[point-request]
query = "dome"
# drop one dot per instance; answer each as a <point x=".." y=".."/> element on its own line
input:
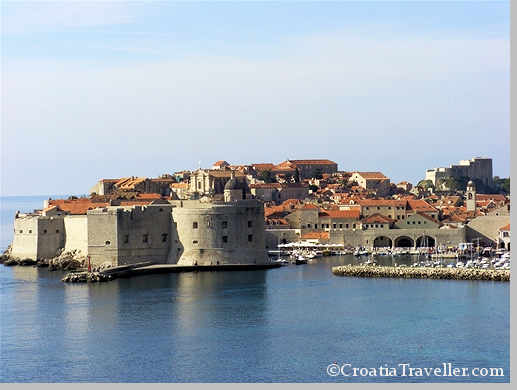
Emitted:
<point x="234" y="184"/>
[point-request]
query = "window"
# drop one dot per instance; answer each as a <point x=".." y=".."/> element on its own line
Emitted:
<point x="389" y="207"/>
<point x="126" y="238"/>
<point x="225" y="238"/>
<point x="419" y="222"/>
<point x="199" y="185"/>
<point x="21" y="231"/>
<point x="346" y="225"/>
<point x="367" y="208"/>
<point x="45" y="231"/>
<point x="250" y="237"/>
<point x="403" y="217"/>
<point x="315" y="226"/>
<point x="398" y="216"/>
<point x="381" y="226"/>
<point x="341" y="226"/>
<point x="328" y="226"/>
<point x="30" y="231"/>
<point x="224" y="224"/>
<point x="161" y="209"/>
<point x="408" y="222"/>
<point x="57" y="231"/>
<point x="353" y="226"/>
<point x="145" y="238"/>
<point x="425" y="222"/>
<point x="376" y="226"/>
<point x="309" y="225"/>
<point x="164" y="237"/>
<point x="378" y="208"/>
<point x="250" y="224"/>
<point x="194" y="225"/>
<point x="108" y="243"/>
<point x="194" y="242"/>
<point x="334" y="225"/>
<point x="413" y="222"/>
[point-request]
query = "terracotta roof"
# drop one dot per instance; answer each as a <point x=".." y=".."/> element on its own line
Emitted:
<point x="505" y="228"/>
<point x="341" y="214"/>
<point x="371" y="175"/>
<point x="377" y="218"/>
<point x="220" y="162"/>
<point x="420" y="205"/>
<point x="129" y="182"/>
<point x="77" y="206"/>
<point x="313" y="162"/>
<point x="263" y="166"/>
<point x="149" y="196"/>
<point x="494" y="197"/>
<point x="316" y="235"/>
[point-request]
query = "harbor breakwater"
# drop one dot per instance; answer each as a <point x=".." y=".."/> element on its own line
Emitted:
<point x="373" y="271"/>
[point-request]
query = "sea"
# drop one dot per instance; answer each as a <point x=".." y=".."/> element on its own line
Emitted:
<point x="298" y="323"/>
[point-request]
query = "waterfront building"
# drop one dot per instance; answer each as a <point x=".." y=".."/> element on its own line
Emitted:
<point x="190" y="232"/>
<point x="504" y="237"/>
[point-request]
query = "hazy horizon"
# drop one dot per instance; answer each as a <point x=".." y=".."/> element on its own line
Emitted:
<point x="113" y="89"/>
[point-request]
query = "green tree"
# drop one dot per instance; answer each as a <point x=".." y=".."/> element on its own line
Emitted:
<point x="267" y="176"/>
<point x="425" y="184"/>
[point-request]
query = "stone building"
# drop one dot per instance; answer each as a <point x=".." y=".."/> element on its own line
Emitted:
<point x="211" y="181"/>
<point x="186" y="232"/>
<point x="372" y="181"/>
<point x="478" y="168"/>
<point x="504" y="237"/>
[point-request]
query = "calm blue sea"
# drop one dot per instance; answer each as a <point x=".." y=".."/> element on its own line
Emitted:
<point x="282" y="325"/>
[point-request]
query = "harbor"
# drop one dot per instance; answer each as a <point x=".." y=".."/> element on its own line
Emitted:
<point x="465" y="256"/>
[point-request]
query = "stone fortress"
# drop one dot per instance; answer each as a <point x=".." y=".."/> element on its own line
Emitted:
<point x="478" y="168"/>
<point x="182" y="232"/>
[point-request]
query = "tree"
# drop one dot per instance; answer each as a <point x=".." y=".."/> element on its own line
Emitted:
<point x="425" y="184"/>
<point x="267" y="176"/>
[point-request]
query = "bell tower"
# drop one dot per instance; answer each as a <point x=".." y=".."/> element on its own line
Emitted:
<point x="471" y="196"/>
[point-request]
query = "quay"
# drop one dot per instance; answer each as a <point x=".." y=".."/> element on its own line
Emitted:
<point x="147" y="268"/>
<point x="372" y="271"/>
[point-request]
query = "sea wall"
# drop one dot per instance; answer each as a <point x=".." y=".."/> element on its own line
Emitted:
<point x="369" y="271"/>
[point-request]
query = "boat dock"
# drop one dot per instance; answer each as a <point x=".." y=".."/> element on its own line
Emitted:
<point x="147" y="268"/>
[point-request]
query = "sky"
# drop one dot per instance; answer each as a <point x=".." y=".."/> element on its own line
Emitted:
<point x="94" y="90"/>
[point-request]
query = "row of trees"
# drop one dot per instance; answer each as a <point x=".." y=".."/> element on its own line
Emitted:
<point x="500" y="186"/>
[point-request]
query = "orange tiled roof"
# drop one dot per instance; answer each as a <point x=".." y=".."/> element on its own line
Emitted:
<point x="377" y="218"/>
<point x="505" y="228"/>
<point x="313" y="162"/>
<point x="371" y="175"/>
<point x="341" y="214"/>
<point x="220" y="162"/>
<point x="316" y="235"/>
<point x="420" y="205"/>
<point x="76" y="206"/>
<point x="263" y="166"/>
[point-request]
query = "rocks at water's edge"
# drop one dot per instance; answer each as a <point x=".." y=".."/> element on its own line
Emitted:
<point x="86" y="277"/>
<point x="371" y="271"/>
<point x="63" y="261"/>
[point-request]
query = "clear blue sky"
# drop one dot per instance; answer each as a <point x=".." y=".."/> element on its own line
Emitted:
<point x="109" y="89"/>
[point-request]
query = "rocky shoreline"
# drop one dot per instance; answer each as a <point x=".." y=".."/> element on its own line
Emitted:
<point x="73" y="261"/>
<point x="373" y="271"/>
